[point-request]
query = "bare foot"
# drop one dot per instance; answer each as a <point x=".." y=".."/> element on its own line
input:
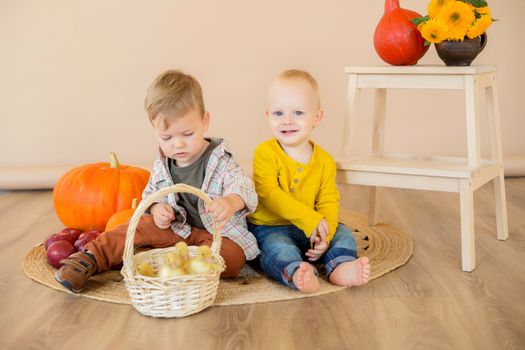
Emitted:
<point x="351" y="273"/>
<point x="304" y="278"/>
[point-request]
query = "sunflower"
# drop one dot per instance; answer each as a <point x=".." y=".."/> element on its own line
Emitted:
<point x="435" y="6"/>
<point x="458" y="18"/>
<point x="479" y="26"/>
<point x="483" y="10"/>
<point x="434" y="31"/>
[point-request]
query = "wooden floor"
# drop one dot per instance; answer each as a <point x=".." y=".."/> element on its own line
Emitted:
<point x="426" y="304"/>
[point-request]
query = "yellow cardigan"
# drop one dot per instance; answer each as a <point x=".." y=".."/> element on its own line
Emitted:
<point x="294" y="193"/>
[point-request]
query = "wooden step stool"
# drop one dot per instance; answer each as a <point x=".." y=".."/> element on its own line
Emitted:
<point x="463" y="175"/>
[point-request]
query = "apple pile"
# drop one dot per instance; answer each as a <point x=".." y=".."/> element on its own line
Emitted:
<point x="64" y="243"/>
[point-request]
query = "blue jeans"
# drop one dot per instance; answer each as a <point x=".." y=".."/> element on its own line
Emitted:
<point x="284" y="247"/>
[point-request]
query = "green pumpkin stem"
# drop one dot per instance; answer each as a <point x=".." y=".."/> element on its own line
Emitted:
<point x="113" y="161"/>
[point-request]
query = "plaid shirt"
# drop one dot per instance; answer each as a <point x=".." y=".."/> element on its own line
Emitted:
<point x="223" y="176"/>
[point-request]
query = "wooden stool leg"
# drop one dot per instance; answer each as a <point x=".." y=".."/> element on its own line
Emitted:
<point x="501" y="207"/>
<point x="500" y="202"/>
<point x="468" y="254"/>
<point x="472" y="115"/>
<point x="372" y="206"/>
<point x="378" y="131"/>
<point x="348" y="146"/>
<point x="378" y="128"/>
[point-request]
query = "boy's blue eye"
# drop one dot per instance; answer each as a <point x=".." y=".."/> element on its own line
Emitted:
<point x="298" y="113"/>
<point x="278" y="114"/>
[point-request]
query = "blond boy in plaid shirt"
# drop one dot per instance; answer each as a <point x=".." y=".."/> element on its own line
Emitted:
<point x="176" y="111"/>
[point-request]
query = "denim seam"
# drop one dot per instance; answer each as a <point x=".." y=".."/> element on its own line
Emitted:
<point x="287" y="273"/>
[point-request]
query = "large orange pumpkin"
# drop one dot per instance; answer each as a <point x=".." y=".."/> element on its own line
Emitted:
<point x="85" y="197"/>
<point x="121" y="217"/>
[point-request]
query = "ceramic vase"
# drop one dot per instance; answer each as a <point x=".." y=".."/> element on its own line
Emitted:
<point x="461" y="53"/>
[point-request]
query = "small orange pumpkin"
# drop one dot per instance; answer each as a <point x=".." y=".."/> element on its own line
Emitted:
<point x="85" y="197"/>
<point x="121" y="217"/>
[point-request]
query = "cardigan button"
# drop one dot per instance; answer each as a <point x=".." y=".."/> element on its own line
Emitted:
<point x="292" y="189"/>
<point x="296" y="180"/>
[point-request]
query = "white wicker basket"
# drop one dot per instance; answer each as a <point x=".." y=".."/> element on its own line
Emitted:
<point x="177" y="296"/>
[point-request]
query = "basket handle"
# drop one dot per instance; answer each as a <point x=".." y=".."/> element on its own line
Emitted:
<point x="144" y="205"/>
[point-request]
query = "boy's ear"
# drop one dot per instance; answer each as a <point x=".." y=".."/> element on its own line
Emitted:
<point x="318" y="118"/>
<point x="206" y="120"/>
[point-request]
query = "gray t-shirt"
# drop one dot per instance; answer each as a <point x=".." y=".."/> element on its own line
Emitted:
<point x="193" y="175"/>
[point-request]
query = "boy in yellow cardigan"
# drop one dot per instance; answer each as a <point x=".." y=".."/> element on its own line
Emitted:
<point x="296" y="218"/>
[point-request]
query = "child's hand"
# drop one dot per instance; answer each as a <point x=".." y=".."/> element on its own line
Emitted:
<point x="322" y="228"/>
<point x="163" y="215"/>
<point x="318" y="241"/>
<point x="223" y="208"/>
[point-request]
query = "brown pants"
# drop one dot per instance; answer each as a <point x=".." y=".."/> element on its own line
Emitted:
<point x="109" y="246"/>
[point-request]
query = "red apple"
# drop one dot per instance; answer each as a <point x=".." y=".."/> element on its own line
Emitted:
<point x="57" y="251"/>
<point x="57" y="237"/>
<point x="80" y="244"/>
<point x="50" y="239"/>
<point x="92" y="234"/>
<point x="75" y="232"/>
<point x="62" y="236"/>
<point x="97" y="232"/>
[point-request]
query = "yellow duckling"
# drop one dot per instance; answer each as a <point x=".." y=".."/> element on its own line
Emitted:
<point x="202" y="263"/>
<point x="145" y="269"/>
<point x="179" y="257"/>
<point x="172" y="259"/>
<point x="183" y="253"/>
<point x="174" y="265"/>
<point x="167" y="271"/>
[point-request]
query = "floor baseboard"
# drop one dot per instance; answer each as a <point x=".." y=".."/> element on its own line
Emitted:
<point x="45" y="177"/>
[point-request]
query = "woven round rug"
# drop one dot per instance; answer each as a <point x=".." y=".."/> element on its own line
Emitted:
<point x="386" y="247"/>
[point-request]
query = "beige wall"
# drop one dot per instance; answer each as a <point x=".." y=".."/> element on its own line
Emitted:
<point x="73" y="75"/>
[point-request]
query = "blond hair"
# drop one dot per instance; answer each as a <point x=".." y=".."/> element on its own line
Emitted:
<point x="173" y="94"/>
<point x="302" y="75"/>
